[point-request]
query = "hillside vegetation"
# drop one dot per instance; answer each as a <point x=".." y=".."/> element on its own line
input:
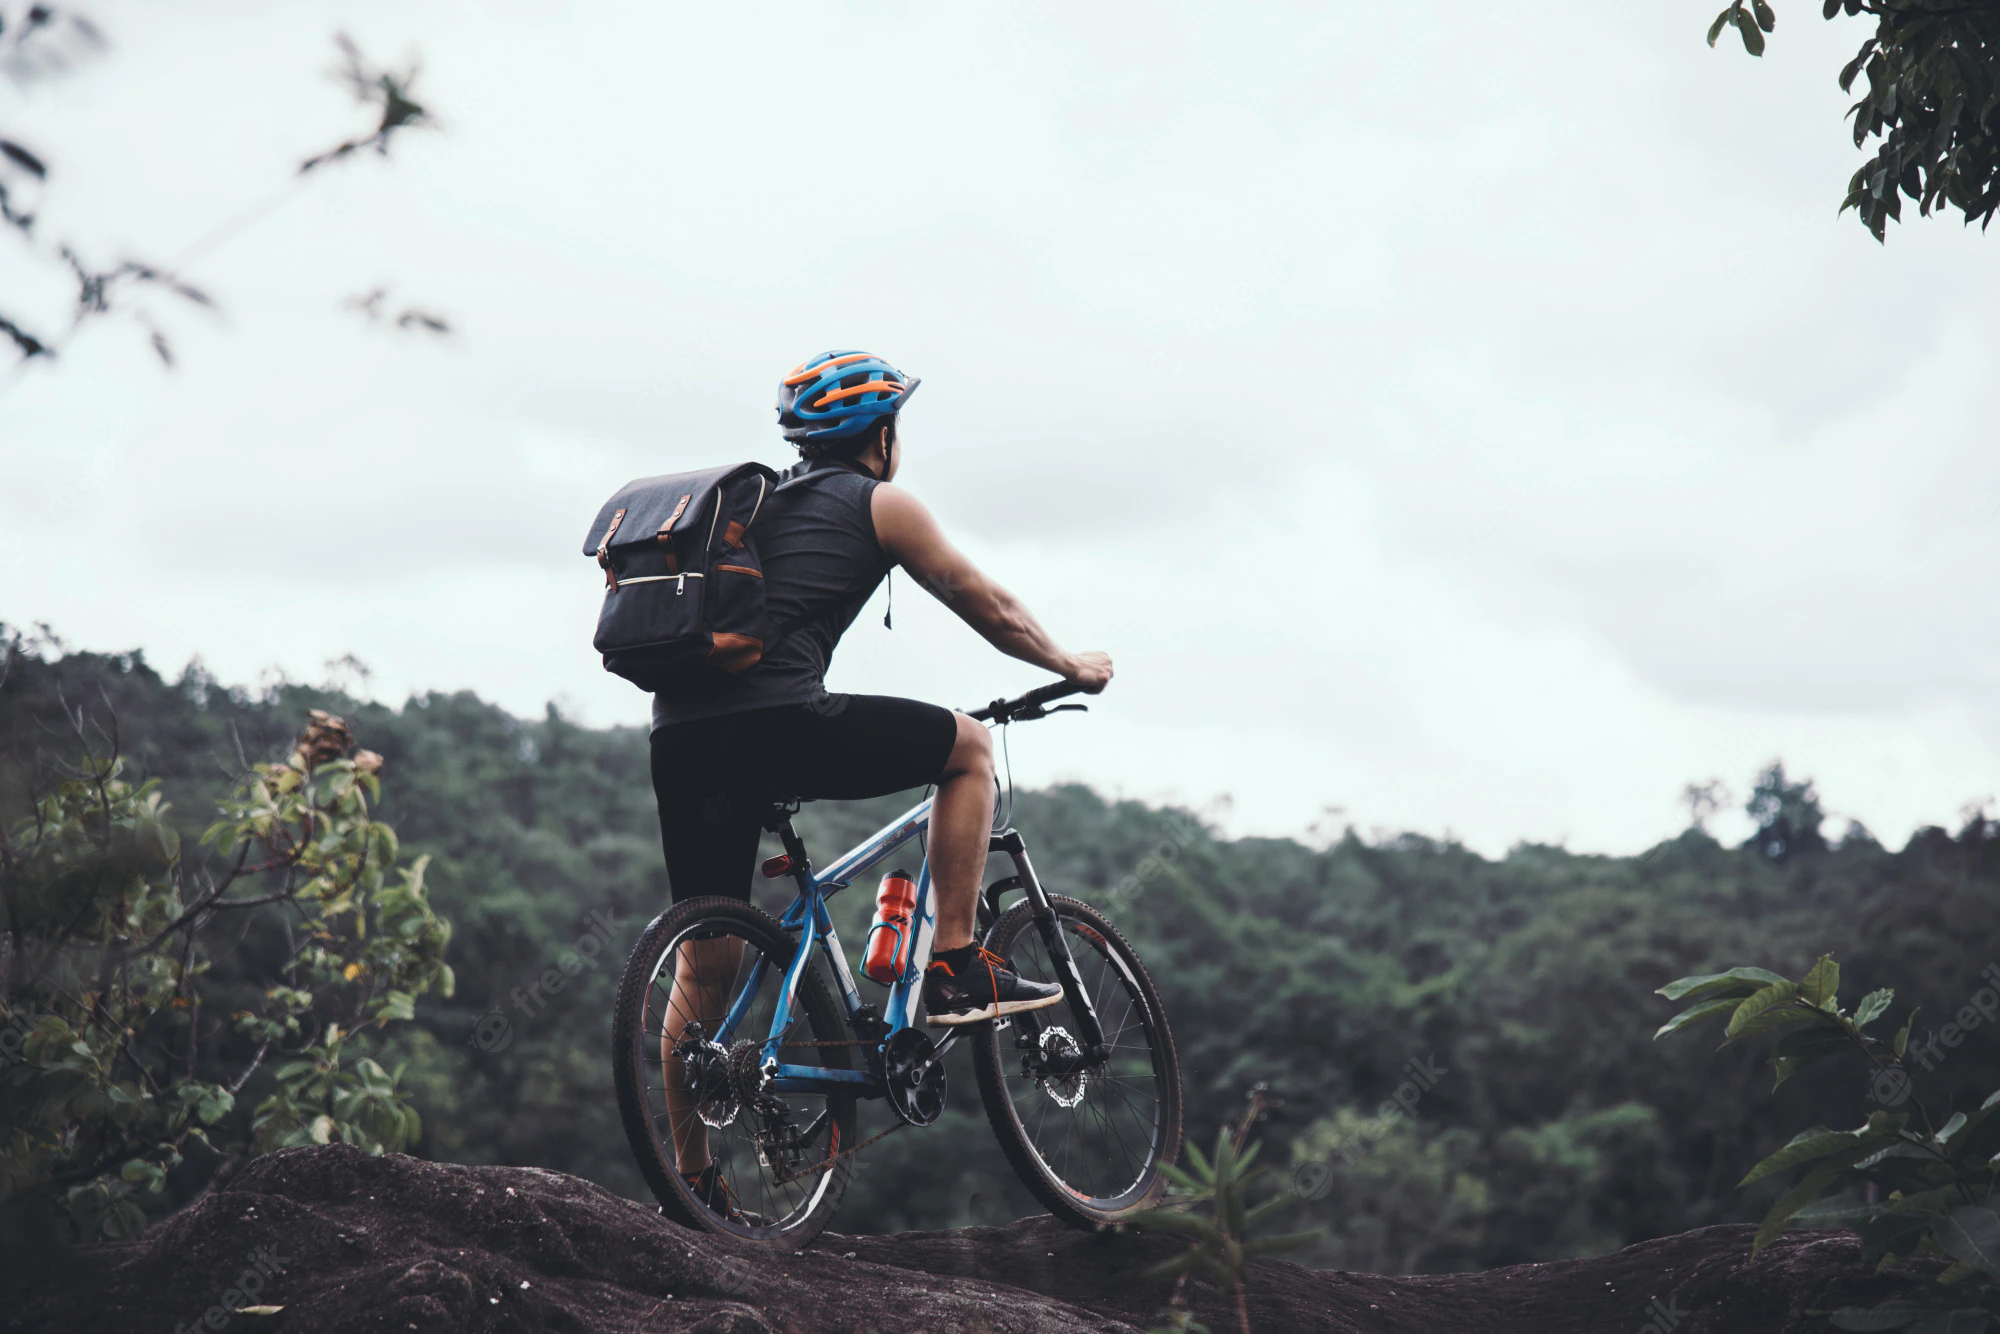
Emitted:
<point x="1501" y="1009"/>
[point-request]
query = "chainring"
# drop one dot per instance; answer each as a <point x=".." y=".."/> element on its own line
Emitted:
<point x="915" y="1076"/>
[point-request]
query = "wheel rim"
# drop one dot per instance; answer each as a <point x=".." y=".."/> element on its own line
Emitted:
<point x="1098" y="1131"/>
<point x="719" y="1103"/>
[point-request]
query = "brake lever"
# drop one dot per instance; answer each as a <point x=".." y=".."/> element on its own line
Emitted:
<point x="1035" y="711"/>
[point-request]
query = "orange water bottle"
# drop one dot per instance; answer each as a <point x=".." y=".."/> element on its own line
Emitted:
<point x="893" y="932"/>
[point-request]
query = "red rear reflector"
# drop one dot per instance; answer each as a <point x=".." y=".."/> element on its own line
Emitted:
<point x="776" y="866"/>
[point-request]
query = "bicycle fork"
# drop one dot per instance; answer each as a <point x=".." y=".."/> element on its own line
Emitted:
<point x="1049" y="925"/>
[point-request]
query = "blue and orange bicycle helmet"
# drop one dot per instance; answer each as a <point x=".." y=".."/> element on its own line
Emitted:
<point x="836" y="396"/>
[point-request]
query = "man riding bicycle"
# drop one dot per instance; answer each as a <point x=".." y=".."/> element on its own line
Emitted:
<point x="725" y="750"/>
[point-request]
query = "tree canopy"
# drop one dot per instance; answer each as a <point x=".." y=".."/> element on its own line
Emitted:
<point x="1457" y="1046"/>
<point x="1933" y="70"/>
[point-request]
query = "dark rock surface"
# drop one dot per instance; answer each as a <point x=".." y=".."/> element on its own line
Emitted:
<point x="344" y="1242"/>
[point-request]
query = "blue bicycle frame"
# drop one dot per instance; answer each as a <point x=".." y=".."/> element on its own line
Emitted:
<point x="809" y="918"/>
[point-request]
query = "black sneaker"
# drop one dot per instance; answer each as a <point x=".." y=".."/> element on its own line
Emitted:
<point x="982" y="987"/>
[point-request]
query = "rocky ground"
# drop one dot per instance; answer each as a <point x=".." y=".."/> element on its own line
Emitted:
<point x="339" y="1241"/>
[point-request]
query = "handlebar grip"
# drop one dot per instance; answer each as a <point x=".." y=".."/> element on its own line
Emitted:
<point x="1003" y="709"/>
<point x="1055" y="691"/>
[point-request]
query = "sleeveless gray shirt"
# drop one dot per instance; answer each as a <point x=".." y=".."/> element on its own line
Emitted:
<point x="817" y="541"/>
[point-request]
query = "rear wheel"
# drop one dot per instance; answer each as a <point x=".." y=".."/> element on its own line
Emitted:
<point x="1087" y="1136"/>
<point x="694" y="1008"/>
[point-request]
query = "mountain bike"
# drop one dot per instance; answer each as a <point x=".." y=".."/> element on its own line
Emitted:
<point x="727" y="1039"/>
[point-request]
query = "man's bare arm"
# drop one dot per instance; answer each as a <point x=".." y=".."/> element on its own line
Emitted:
<point x="911" y="536"/>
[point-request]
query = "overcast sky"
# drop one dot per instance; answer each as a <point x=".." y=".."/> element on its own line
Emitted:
<point x="1474" y="419"/>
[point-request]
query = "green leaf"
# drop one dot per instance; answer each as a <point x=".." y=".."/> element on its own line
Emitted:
<point x="1765" y="18"/>
<point x="1834" y="1213"/>
<point x="1753" y="38"/>
<point x="1971" y="1236"/>
<point x="1903" y="1035"/>
<point x="1761" y="1002"/>
<point x="1872" y="1006"/>
<point x="1819" y="985"/>
<point x="1738" y="980"/>
<point x="1798" y="1050"/>
<point x="1942" y="1200"/>
<point x="1701" y="1011"/>
<point x="1793" y="1200"/>
<point x="1803" y="1147"/>
<point x="1774" y="1019"/>
<point x="1715" y="31"/>
<point x="395" y="1007"/>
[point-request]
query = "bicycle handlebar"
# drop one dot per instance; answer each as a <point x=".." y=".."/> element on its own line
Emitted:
<point x="1028" y="707"/>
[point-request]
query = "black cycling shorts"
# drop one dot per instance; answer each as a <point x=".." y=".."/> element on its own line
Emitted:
<point x="717" y="778"/>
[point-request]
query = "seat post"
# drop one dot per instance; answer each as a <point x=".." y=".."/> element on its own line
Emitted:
<point x="779" y="822"/>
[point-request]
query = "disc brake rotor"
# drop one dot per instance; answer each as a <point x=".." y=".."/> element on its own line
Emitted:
<point x="1061" y="1072"/>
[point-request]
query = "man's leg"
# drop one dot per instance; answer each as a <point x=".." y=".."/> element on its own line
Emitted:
<point x="865" y="745"/>
<point x="710" y="820"/>
<point x="703" y="973"/>
<point x="961" y="823"/>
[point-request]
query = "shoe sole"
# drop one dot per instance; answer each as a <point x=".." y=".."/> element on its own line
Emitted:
<point x="953" y="1018"/>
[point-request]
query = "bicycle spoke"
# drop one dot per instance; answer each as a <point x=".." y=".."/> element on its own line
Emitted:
<point x="1097" y="1129"/>
<point x="704" y="977"/>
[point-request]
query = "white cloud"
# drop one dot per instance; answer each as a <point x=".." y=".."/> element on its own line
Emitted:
<point x="1468" y="419"/>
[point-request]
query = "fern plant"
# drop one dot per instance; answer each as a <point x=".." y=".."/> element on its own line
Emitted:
<point x="1220" y="1247"/>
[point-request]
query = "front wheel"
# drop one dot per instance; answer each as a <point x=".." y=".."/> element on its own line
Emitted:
<point x="1088" y="1137"/>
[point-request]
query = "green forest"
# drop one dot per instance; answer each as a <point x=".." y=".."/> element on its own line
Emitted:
<point x="1509" y="1003"/>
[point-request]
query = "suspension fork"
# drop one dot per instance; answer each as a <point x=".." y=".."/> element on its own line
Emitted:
<point x="1049" y="925"/>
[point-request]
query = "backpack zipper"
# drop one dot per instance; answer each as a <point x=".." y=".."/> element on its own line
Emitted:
<point x="681" y="579"/>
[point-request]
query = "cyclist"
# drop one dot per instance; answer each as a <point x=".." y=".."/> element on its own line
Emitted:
<point x="724" y="751"/>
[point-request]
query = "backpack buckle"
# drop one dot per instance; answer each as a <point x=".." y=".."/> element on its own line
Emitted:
<point x="604" y="553"/>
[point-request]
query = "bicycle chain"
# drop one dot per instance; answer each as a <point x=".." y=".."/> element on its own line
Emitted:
<point x="827" y="1164"/>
